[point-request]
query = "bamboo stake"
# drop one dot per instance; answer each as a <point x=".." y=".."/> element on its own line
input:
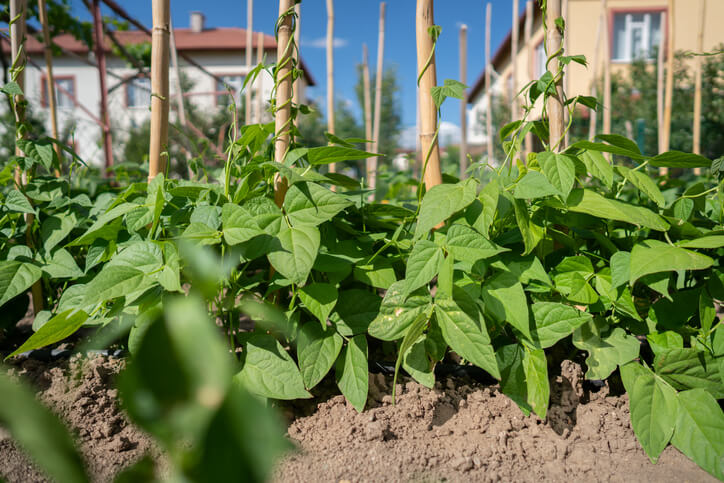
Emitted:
<point x="330" y="73"/>
<point x="514" y="63"/>
<point x="378" y="93"/>
<point x="669" y="89"/>
<point x="368" y="116"/>
<point x="555" y="103"/>
<point x="531" y="60"/>
<point x="660" y="86"/>
<point x="297" y="37"/>
<point x="566" y="78"/>
<point x="488" y="87"/>
<point x="50" y="82"/>
<point x="428" y="110"/>
<point x="594" y="77"/>
<point x="283" y="107"/>
<point x="697" y="83"/>
<point x="249" y="51"/>
<point x="159" y="89"/>
<point x="606" y="71"/>
<point x="260" y="79"/>
<point x="463" y="102"/>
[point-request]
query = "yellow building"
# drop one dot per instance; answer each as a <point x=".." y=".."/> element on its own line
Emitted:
<point x="629" y="30"/>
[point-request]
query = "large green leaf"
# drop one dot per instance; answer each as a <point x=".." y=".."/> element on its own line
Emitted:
<point x="352" y="373"/>
<point x="398" y="311"/>
<point x="532" y="234"/>
<point x="319" y="298"/>
<point x="56" y="329"/>
<point x="677" y="159"/>
<point x="653" y="256"/>
<point x="422" y="265"/>
<point x="466" y="244"/>
<point x="598" y="166"/>
<point x="335" y="154"/>
<point x="489" y="197"/>
<point x="554" y="321"/>
<point x="699" y="432"/>
<point x="62" y="265"/>
<point x="312" y="204"/>
<point x="513" y="383"/>
<point x="592" y="203"/>
<point x="621" y="150"/>
<point x="114" y="281"/>
<point x="16" y="201"/>
<point x="378" y="273"/>
<point x="355" y="311"/>
<point x="441" y="202"/>
<point x="269" y="371"/>
<point x="56" y="227"/>
<point x="106" y="226"/>
<point x="317" y="349"/>
<point x="712" y="241"/>
<point x="145" y="256"/>
<point x="506" y="301"/>
<point x="466" y="336"/>
<point x="560" y="171"/>
<point x="642" y="181"/>
<point x="299" y="247"/>
<point x="238" y="224"/>
<point x="690" y="368"/>
<point x="606" y="349"/>
<point x="653" y="406"/>
<point x="16" y="277"/>
<point x="417" y="364"/>
<point x="535" y="368"/>
<point x="534" y="185"/>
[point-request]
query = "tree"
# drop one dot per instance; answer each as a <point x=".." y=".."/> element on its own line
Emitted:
<point x="390" y="117"/>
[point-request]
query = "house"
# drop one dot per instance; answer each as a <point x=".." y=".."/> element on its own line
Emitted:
<point x="219" y="51"/>
<point x="635" y="31"/>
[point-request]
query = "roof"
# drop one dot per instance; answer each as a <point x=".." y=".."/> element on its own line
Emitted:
<point x="208" y="40"/>
<point x="501" y="53"/>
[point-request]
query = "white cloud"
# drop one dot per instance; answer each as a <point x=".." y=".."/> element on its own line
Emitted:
<point x="408" y="138"/>
<point x="321" y="43"/>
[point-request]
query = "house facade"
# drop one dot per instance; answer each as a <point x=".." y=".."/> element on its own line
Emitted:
<point x="636" y="29"/>
<point x="220" y="51"/>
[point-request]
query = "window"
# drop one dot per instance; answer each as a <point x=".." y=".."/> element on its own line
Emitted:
<point x="540" y="60"/>
<point x="635" y="35"/>
<point x="64" y="92"/>
<point x="234" y="83"/>
<point x="138" y="92"/>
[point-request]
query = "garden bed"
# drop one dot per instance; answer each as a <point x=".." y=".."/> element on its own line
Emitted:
<point x="459" y="431"/>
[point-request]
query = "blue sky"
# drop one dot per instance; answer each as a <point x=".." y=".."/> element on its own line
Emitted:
<point x="356" y="21"/>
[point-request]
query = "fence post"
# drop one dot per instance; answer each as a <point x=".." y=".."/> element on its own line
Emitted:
<point x="159" y="88"/>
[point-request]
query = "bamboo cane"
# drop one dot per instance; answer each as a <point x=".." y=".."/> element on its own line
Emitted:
<point x="528" y="33"/>
<point x="283" y="107"/>
<point x="330" y="73"/>
<point x="555" y="103"/>
<point x="249" y="51"/>
<point x="594" y="77"/>
<point x="606" y="71"/>
<point x="566" y="78"/>
<point x="514" y="63"/>
<point x="101" y="59"/>
<point x="697" y="83"/>
<point x="488" y="87"/>
<point x="369" y="167"/>
<point x="260" y="79"/>
<point x="463" y="102"/>
<point x="297" y="35"/>
<point x="50" y="82"/>
<point x="669" y="88"/>
<point x="378" y="92"/>
<point x="428" y="110"/>
<point x="660" y="86"/>
<point x="159" y="89"/>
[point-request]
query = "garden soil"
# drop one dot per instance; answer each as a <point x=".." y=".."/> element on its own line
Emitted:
<point x="458" y="431"/>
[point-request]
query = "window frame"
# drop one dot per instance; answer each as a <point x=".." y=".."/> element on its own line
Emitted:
<point x="44" y="100"/>
<point x="126" y="97"/>
<point x="634" y="10"/>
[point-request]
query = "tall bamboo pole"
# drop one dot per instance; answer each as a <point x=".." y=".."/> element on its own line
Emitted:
<point x="159" y="88"/>
<point x="101" y="59"/>
<point x="555" y="103"/>
<point x="283" y="108"/>
<point x="660" y="85"/>
<point x="369" y="167"/>
<point x="594" y="77"/>
<point x="528" y="33"/>
<point x="297" y="37"/>
<point x="249" y="52"/>
<point x="696" y="134"/>
<point x="428" y="110"/>
<point x="330" y="73"/>
<point x="566" y="78"/>
<point x="488" y="87"/>
<point x="514" y="63"/>
<point x="378" y="94"/>
<point x="606" y="70"/>
<point x="669" y="89"/>
<point x="50" y="82"/>
<point x="463" y="102"/>
<point x="260" y="79"/>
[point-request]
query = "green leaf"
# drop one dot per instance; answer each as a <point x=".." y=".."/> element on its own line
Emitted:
<point x="506" y="301"/>
<point x="711" y="241"/>
<point x="466" y="244"/>
<point x="489" y="197"/>
<point x="560" y="171"/>
<point x="335" y="154"/>
<point x="555" y="321"/>
<point x="654" y="408"/>
<point x="398" y="311"/>
<point x="55" y="228"/>
<point x="269" y="371"/>
<point x="319" y="298"/>
<point x="598" y="167"/>
<point x="653" y="256"/>
<point x="700" y="429"/>
<point x="317" y="349"/>
<point x="621" y="142"/>
<point x="380" y="273"/>
<point x="299" y="247"/>
<point x="707" y="311"/>
<point x="534" y="185"/>
<point x="441" y="202"/>
<point x="16" y="277"/>
<point x="677" y="159"/>
<point x="106" y="226"/>
<point x="12" y="89"/>
<point x="62" y="265"/>
<point x="513" y="382"/>
<point x="606" y="349"/>
<point x="642" y="181"/>
<point x="311" y="204"/>
<point x="201" y="234"/>
<point x="690" y="368"/>
<point x="414" y="333"/>
<point x="16" y="201"/>
<point x="40" y="433"/>
<point x="591" y="203"/>
<point x="451" y="88"/>
<point x="620" y="268"/>
<point x="468" y="337"/>
<point x="352" y="373"/>
<point x="54" y="330"/>
<point x="355" y="311"/>
<point x="532" y="234"/>
<point x="114" y="281"/>
<point x="627" y="151"/>
<point x="238" y="224"/>
<point x="423" y="264"/>
<point x="663" y="341"/>
<point x="684" y="208"/>
<point x="535" y="368"/>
